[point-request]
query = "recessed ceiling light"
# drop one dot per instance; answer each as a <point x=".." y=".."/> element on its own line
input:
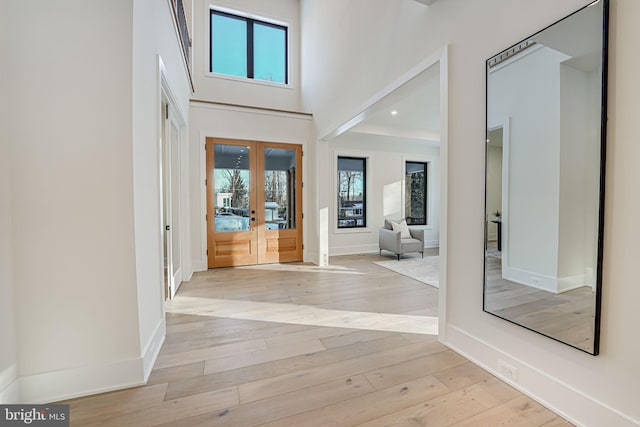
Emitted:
<point x="394" y="112"/>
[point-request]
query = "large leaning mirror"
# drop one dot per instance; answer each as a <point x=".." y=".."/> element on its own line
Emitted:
<point x="546" y="118"/>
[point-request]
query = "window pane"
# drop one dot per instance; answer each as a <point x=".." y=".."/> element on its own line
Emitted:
<point x="351" y="192"/>
<point x="231" y="185"/>
<point x="416" y="193"/>
<point x="228" y="45"/>
<point x="280" y="188"/>
<point x="269" y="53"/>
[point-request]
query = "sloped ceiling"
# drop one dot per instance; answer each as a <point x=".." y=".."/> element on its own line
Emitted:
<point x="410" y="114"/>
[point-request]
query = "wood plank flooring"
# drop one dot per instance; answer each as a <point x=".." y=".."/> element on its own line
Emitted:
<point x="568" y="317"/>
<point x="226" y="365"/>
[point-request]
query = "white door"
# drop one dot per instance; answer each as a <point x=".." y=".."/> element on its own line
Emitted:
<point x="171" y="201"/>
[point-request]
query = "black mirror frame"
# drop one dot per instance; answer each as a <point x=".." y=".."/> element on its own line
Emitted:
<point x="602" y="181"/>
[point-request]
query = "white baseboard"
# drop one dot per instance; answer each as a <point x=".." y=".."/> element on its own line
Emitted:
<point x="187" y="276"/>
<point x="178" y="286"/>
<point x="351" y="250"/>
<point x="312" y="257"/>
<point x="199" y="265"/>
<point x="9" y="389"/>
<point x="152" y="349"/>
<point x="562" y="398"/>
<point x="569" y="283"/>
<point x="76" y="382"/>
<point x="531" y="279"/>
<point x="429" y="244"/>
<point x="8" y="376"/>
<point x="367" y="249"/>
<point x="556" y="285"/>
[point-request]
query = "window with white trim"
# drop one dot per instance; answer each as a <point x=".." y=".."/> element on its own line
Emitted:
<point x="352" y="192"/>
<point x="415" y="190"/>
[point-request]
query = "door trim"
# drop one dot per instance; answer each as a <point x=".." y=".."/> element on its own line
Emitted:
<point x="166" y="96"/>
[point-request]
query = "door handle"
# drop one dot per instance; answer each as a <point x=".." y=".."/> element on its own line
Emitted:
<point x="167" y="227"/>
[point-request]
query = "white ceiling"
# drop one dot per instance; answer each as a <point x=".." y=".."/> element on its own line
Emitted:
<point x="417" y="118"/>
<point x="578" y="36"/>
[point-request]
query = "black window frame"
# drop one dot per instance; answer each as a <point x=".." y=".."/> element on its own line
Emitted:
<point x="250" y="60"/>
<point x="364" y="193"/>
<point x="426" y="190"/>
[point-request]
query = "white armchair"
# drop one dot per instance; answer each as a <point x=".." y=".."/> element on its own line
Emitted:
<point x="393" y="241"/>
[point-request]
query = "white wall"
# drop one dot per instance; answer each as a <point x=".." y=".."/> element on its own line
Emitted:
<point x="494" y="187"/>
<point x="579" y="178"/>
<point x="236" y="91"/>
<point x="591" y="391"/>
<point x="385" y="190"/>
<point x="314" y="234"/>
<point x="8" y="353"/>
<point x="72" y="199"/>
<point x="154" y="40"/>
<point x="530" y="222"/>
<point x="80" y="199"/>
<point x="208" y="120"/>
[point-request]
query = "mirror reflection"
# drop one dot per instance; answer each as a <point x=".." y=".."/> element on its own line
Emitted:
<point x="543" y="180"/>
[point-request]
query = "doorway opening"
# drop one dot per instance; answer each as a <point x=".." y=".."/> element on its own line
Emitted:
<point x="405" y="124"/>
<point x="254" y="202"/>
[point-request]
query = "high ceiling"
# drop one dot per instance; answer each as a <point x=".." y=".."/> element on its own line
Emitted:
<point x="410" y="114"/>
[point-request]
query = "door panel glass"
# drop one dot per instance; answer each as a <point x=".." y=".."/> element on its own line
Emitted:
<point x="232" y="182"/>
<point x="279" y="188"/>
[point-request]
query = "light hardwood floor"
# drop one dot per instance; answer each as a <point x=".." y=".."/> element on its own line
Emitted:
<point x="568" y="317"/>
<point x="253" y="362"/>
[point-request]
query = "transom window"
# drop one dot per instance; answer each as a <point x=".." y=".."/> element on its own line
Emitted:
<point x="249" y="48"/>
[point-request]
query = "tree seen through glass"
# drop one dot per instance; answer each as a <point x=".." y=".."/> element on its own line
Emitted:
<point x="351" y="192"/>
<point x="416" y="193"/>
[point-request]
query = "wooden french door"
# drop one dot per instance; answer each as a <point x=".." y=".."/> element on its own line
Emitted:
<point x="254" y="202"/>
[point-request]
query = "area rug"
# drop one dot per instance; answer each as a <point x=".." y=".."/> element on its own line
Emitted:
<point x="425" y="270"/>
